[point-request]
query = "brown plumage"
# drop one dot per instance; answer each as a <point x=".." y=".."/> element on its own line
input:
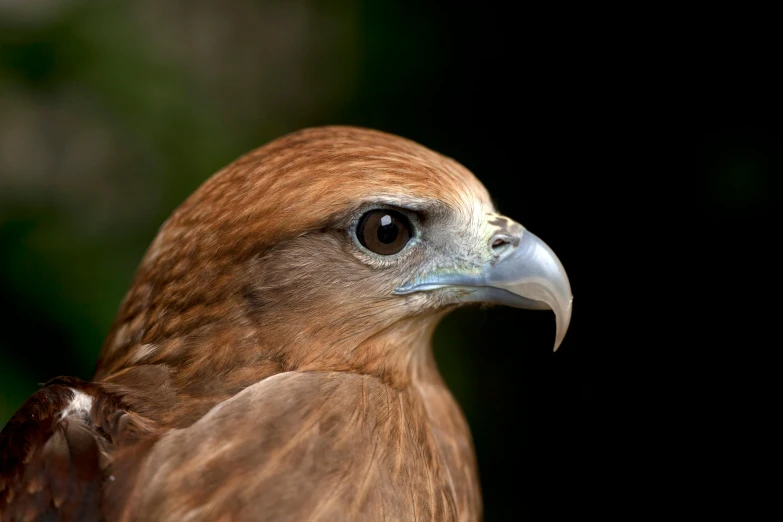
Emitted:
<point x="265" y="365"/>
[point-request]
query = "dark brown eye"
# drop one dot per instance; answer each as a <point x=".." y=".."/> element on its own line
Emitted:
<point x="384" y="232"/>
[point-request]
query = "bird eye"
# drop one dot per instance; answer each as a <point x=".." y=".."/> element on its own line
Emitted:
<point x="384" y="232"/>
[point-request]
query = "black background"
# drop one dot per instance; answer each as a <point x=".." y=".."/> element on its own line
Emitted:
<point x="645" y="148"/>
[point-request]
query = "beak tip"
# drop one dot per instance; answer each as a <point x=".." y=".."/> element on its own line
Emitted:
<point x="563" y="320"/>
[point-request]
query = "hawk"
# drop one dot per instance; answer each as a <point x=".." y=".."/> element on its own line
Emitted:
<point x="272" y="359"/>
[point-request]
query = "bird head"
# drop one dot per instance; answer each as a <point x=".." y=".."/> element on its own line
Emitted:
<point x="330" y="248"/>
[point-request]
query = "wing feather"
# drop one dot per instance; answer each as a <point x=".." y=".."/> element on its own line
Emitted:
<point x="56" y="450"/>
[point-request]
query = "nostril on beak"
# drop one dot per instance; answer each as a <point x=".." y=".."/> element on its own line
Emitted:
<point x="502" y="242"/>
<point x="498" y="242"/>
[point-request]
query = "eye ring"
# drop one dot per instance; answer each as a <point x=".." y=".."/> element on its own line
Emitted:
<point x="383" y="231"/>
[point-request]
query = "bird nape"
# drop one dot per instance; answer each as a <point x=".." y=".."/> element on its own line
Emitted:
<point x="272" y="359"/>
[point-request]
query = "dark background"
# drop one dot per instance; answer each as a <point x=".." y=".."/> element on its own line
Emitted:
<point x="643" y="147"/>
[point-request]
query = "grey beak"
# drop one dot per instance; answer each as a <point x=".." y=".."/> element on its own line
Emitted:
<point x="524" y="274"/>
<point x="535" y="277"/>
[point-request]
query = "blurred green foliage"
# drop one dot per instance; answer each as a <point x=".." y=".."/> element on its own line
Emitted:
<point x="111" y="113"/>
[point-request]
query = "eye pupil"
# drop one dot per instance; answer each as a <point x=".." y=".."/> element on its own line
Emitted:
<point x="388" y="231"/>
<point x="384" y="232"/>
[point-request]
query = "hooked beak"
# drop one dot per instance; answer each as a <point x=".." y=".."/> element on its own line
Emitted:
<point x="523" y="273"/>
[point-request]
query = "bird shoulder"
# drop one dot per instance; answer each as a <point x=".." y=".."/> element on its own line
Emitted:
<point x="299" y="446"/>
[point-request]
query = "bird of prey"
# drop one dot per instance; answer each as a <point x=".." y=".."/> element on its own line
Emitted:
<point x="272" y="359"/>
